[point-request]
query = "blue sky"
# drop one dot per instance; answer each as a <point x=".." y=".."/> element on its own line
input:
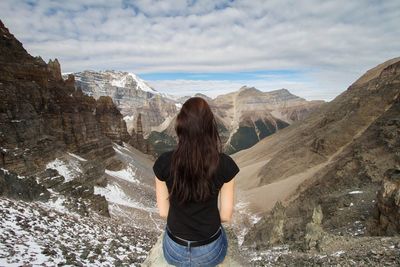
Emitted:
<point x="316" y="49"/>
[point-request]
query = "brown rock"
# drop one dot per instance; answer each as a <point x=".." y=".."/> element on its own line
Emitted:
<point x="55" y="69"/>
<point x="389" y="203"/>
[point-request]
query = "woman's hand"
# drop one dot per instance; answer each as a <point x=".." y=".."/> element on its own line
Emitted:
<point x="162" y="198"/>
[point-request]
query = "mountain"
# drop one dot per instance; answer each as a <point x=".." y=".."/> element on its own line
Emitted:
<point x="250" y="115"/>
<point x="314" y="183"/>
<point x="244" y="117"/>
<point x="65" y="156"/>
<point x="184" y="98"/>
<point x="132" y="96"/>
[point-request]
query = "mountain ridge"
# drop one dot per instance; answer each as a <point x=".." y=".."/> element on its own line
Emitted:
<point x="337" y="158"/>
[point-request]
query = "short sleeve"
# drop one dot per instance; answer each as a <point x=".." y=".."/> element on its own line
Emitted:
<point x="160" y="166"/>
<point x="230" y="168"/>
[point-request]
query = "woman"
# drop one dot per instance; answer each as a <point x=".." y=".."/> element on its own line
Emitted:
<point x="188" y="182"/>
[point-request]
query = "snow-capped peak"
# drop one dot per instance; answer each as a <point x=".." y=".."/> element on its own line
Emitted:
<point x="127" y="79"/>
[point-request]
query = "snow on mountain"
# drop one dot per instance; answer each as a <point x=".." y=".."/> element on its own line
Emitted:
<point x="131" y="95"/>
<point x="40" y="234"/>
<point x="120" y="79"/>
<point x="127" y="79"/>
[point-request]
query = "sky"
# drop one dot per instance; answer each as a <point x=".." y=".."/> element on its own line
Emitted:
<point x="315" y="49"/>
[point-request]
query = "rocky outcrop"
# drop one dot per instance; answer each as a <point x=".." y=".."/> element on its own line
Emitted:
<point x="388" y="205"/>
<point x="111" y="121"/>
<point x="55" y="69"/>
<point x="137" y="139"/>
<point x="20" y="187"/>
<point x="272" y="233"/>
<point x="314" y="231"/>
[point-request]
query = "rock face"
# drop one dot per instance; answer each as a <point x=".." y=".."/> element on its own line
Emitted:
<point x="314" y="231"/>
<point x="111" y="121"/>
<point x="336" y="158"/>
<point x="272" y="232"/>
<point x="41" y="114"/>
<point x="25" y="188"/>
<point x="137" y="140"/>
<point x="43" y="121"/>
<point x="244" y="117"/>
<point x="55" y="69"/>
<point x="249" y="115"/>
<point x="130" y="94"/>
<point x="388" y="205"/>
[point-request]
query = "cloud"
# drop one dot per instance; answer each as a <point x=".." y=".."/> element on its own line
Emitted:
<point x="336" y="40"/>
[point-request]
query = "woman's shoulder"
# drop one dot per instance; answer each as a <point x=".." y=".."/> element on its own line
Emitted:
<point x="225" y="157"/>
<point x="165" y="155"/>
<point x="161" y="164"/>
<point x="228" y="167"/>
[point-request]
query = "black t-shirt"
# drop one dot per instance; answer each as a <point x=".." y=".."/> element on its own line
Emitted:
<point x="195" y="220"/>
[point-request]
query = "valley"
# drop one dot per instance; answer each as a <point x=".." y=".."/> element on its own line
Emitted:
<point x="319" y="181"/>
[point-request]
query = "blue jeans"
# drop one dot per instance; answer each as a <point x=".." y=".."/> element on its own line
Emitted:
<point x="211" y="254"/>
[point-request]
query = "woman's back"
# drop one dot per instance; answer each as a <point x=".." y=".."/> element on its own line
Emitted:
<point x="195" y="220"/>
<point x="188" y="181"/>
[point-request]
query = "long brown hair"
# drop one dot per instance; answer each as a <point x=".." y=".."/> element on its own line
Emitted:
<point x="196" y="158"/>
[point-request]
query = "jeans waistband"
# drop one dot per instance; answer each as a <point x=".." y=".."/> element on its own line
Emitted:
<point x="189" y="243"/>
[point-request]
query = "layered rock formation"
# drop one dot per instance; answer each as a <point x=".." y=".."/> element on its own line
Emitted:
<point x="131" y="95"/>
<point x="336" y="158"/>
<point x="251" y="115"/>
<point x="42" y="117"/>
<point x="40" y="112"/>
<point x="111" y="121"/>
<point x="137" y="140"/>
<point x="244" y="117"/>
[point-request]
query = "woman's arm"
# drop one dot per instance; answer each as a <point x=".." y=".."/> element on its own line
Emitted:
<point x="162" y="198"/>
<point x="227" y="201"/>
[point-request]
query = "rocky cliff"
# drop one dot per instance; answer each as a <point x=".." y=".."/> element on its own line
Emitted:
<point x="131" y="95"/>
<point x="46" y="124"/>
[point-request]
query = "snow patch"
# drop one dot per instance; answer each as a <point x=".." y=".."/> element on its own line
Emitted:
<point x="114" y="194"/>
<point x="128" y="174"/>
<point x="57" y="204"/>
<point x="355" y="192"/>
<point x="70" y="170"/>
<point x="128" y="118"/>
<point x="338" y="253"/>
<point x="5" y="171"/>
<point x="77" y="157"/>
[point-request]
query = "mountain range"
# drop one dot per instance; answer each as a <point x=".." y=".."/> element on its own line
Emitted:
<point x="244" y="117"/>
